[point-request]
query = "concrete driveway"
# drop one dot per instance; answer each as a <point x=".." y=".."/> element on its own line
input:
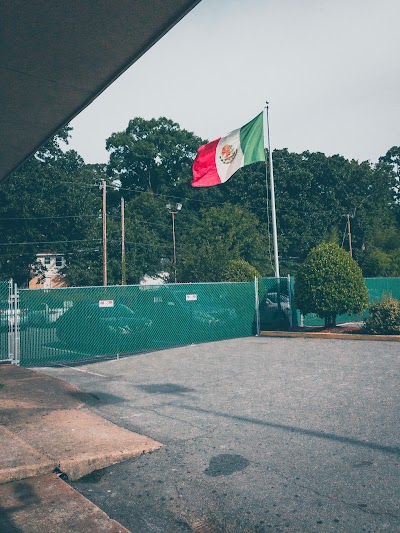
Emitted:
<point x="260" y="434"/>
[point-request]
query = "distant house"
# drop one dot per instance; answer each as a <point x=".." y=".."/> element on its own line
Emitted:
<point x="51" y="278"/>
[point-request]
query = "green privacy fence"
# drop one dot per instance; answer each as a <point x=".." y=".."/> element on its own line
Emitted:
<point x="73" y="324"/>
<point x="377" y="289"/>
<point x="4" y="315"/>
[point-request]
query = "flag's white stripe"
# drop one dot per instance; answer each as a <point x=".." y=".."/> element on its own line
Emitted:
<point x="224" y="169"/>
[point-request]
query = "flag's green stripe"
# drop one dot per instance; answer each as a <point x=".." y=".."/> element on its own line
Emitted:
<point x="252" y="140"/>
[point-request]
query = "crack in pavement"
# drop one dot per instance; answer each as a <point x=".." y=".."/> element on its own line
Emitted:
<point x="175" y="418"/>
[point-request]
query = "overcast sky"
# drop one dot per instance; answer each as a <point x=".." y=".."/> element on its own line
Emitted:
<point x="329" y="68"/>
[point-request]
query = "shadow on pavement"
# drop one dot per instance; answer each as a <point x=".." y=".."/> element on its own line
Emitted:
<point x="93" y="398"/>
<point x="164" y="388"/>
<point x="294" y="429"/>
<point x="23" y="493"/>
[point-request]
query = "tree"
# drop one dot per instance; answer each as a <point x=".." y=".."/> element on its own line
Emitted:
<point x="47" y="205"/>
<point x="330" y="283"/>
<point x="216" y="236"/>
<point x="147" y="236"/>
<point x="151" y="155"/>
<point x="381" y="256"/>
<point x="391" y="160"/>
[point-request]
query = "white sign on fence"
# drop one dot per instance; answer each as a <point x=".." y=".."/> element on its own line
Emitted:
<point x="106" y="303"/>
<point x="191" y="297"/>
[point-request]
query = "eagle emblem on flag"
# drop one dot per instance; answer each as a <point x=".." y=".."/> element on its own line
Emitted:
<point x="228" y="154"/>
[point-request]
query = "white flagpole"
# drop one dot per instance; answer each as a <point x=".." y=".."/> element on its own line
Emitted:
<point x="272" y="188"/>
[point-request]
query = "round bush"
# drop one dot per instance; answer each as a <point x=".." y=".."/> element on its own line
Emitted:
<point x="330" y="283"/>
<point x="384" y="318"/>
<point x="239" y="270"/>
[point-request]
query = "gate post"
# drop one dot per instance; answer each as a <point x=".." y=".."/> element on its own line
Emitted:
<point x="17" y="326"/>
<point x="13" y="323"/>
<point x="257" y="304"/>
<point x="290" y="302"/>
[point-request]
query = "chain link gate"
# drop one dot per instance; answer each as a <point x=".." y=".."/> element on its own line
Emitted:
<point x="9" y="322"/>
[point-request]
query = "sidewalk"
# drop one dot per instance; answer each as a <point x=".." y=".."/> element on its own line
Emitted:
<point x="44" y="424"/>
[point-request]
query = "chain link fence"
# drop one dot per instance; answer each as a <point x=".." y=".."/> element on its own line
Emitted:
<point x="73" y="324"/>
<point x="76" y="324"/>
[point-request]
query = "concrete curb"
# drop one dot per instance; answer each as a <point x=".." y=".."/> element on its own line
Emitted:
<point x="345" y="336"/>
<point x="81" y="443"/>
<point x="44" y="424"/>
<point x="75" y="469"/>
<point x="24" y="472"/>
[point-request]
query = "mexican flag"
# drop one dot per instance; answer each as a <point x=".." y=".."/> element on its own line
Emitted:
<point x="218" y="160"/>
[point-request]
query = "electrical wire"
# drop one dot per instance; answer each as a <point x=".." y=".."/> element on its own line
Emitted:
<point x="48" y="242"/>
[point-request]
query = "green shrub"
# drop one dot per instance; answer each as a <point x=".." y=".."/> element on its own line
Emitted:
<point x="384" y="317"/>
<point x="330" y="283"/>
<point x="239" y="270"/>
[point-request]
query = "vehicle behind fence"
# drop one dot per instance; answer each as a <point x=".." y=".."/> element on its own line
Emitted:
<point x="47" y="326"/>
<point x="73" y="324"/>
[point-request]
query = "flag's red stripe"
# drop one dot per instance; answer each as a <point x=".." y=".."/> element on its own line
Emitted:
<point x="204" y="168"/>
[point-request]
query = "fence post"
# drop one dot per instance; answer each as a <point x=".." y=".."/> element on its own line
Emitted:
<point x="290" y="302"/>
<point x="13" y="323"/>
<point x="257" y="304"/>
<point x="17" y="318"/>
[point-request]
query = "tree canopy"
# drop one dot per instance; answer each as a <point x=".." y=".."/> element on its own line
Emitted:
<point x="48" y="204"/>
<point x="151" y="155"/>
<point x="53" y="204"/>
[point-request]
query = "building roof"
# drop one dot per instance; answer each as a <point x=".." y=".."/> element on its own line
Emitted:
<point x="57" y="57"/>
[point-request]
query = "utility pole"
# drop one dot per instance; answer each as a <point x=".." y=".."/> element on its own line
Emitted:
<point x="349" y="234"/>
<point x="173" y="213"/>
<point x="123" y="266"/>
<point x="104" y="233"/>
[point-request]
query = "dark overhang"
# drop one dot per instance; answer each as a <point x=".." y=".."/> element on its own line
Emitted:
<point x="56" y="57"/>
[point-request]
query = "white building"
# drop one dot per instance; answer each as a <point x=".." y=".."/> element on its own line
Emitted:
<point x="51" y="277"/>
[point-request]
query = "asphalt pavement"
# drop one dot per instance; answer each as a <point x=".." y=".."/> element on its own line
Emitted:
<point x="259" y="434"/>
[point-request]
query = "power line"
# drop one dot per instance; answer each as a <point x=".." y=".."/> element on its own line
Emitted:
<point x="65" y="241"/>
<point x="54" y="217"/>
<point x="146" y="221"/>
